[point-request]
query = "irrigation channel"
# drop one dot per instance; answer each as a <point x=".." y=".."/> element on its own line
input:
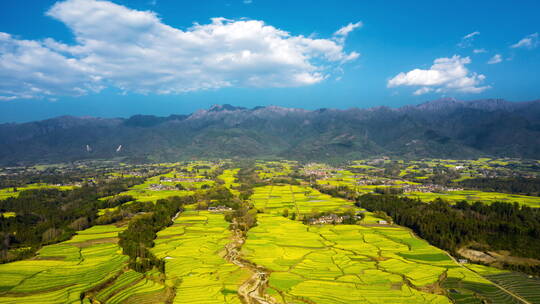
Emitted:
<point x="252" y="291"/>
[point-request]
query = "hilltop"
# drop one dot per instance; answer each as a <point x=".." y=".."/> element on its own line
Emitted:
<point x="440" y="128"/>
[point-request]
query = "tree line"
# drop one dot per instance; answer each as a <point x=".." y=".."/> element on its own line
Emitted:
<point x="46" y="216"/>
<point x="139" y="237"/>
<point x="498" y="226"/>
<point x="513" y="185"/>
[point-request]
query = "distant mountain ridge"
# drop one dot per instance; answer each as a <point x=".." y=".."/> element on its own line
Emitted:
<point x="440" y="128"/>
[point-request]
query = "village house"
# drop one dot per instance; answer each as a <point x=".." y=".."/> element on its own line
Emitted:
<point x="428" y="188"/>
<point x="161" y="187"/>
<point x="327" y="219"/>
<point x="185" y="179"/>
<point x="219" y="209"/>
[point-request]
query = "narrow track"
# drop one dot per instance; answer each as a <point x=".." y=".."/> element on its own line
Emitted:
<point x="252" y="291"/>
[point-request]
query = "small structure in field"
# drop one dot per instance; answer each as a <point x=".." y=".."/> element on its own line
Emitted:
<point x="161" y="187"/>
<point x="327" y="219"/>
<point x="382" y="222"/>
<point x="219" y="209"/>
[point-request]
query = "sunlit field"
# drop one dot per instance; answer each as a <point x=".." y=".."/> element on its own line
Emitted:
<point x="9" y="192"/>
<point x="61" y="272"/>
<point x="193" y="248"/>
<point x="366" y="262"/>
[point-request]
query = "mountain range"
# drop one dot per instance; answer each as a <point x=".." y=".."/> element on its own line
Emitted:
<point x="444" y="128"/>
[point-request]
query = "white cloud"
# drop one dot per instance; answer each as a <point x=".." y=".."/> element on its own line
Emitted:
<point x="479" y="51"/>
<point x="29" y="69"/>
<point x="346" y="30"/>
<point x="529" y="42"/>
<point x="446" y="74"/>
<point x="422" y="91"/>
<point x="136" y="52"/>
<point x="495" y="59"/>
<point x="471" y="35"/>
<point x="467" y="40"/>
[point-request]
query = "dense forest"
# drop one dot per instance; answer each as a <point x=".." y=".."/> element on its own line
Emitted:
<point x="514" y="185"/>
<point x="499" y="226"/>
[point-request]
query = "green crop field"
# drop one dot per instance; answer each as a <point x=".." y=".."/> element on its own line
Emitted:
<point x="302" y="200"/>
<point x="144" y="191"/>
<point x="520" y="284"/>
<point x="473" y="196"/>
<point x="349" y="179"/>
<point x="8" y="192"/>
<point x="229" y="178"/>
<point x="193" y="248"/>
<point x="133" y="288"/>
<point x="365" y="262"/>
<point x="61" y="272"/>
<point x="351" y="263"/>
<point x="271" y="169"/>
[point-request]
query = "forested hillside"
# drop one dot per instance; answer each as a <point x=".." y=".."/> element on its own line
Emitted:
<point x="442" y="128"/>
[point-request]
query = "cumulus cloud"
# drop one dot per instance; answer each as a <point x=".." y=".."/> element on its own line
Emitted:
<point x="479" y="51"/>
<point x="529" y="42"/>
<point x="136" y="52"/>
<point x="467" y="40"/>
<point x="446" y="74"/>
<point x="495" y="59"/>
<point x="29" y="69"/>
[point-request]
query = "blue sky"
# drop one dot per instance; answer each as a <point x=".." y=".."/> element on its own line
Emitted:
<point x="119" y="58"/>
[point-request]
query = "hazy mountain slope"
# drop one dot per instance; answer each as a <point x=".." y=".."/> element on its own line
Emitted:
<point x="442" y="128"/>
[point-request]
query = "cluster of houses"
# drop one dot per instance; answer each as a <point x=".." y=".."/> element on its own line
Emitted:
<point x="320" y="171"/>
<point x="219" y="209"/>
<point x="378" y="161"/>
<point x="135" y="173"/>
<point x="364" y="180"/>
<point x="334" y="218"/>
<point x="185" y="179"/>
<point x="161" y="187"/>
<point x="75" y="184"/>
<point x="425" y="188"/>
<point x="328" y="219"/>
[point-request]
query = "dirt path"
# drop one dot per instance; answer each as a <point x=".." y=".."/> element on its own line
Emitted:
<point x="252" y="291"/>
<point x="176" y="216"/>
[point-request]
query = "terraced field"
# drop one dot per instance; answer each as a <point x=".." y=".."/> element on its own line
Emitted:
<point x="302" y="200"/>
<point x="362" y="263"/>
<point x="193" y="248"/>
<point x="135" y="288"/>
<point x="60" y="273"/>
<point x="518" y="283"/>
<point x="351" y="263"/>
